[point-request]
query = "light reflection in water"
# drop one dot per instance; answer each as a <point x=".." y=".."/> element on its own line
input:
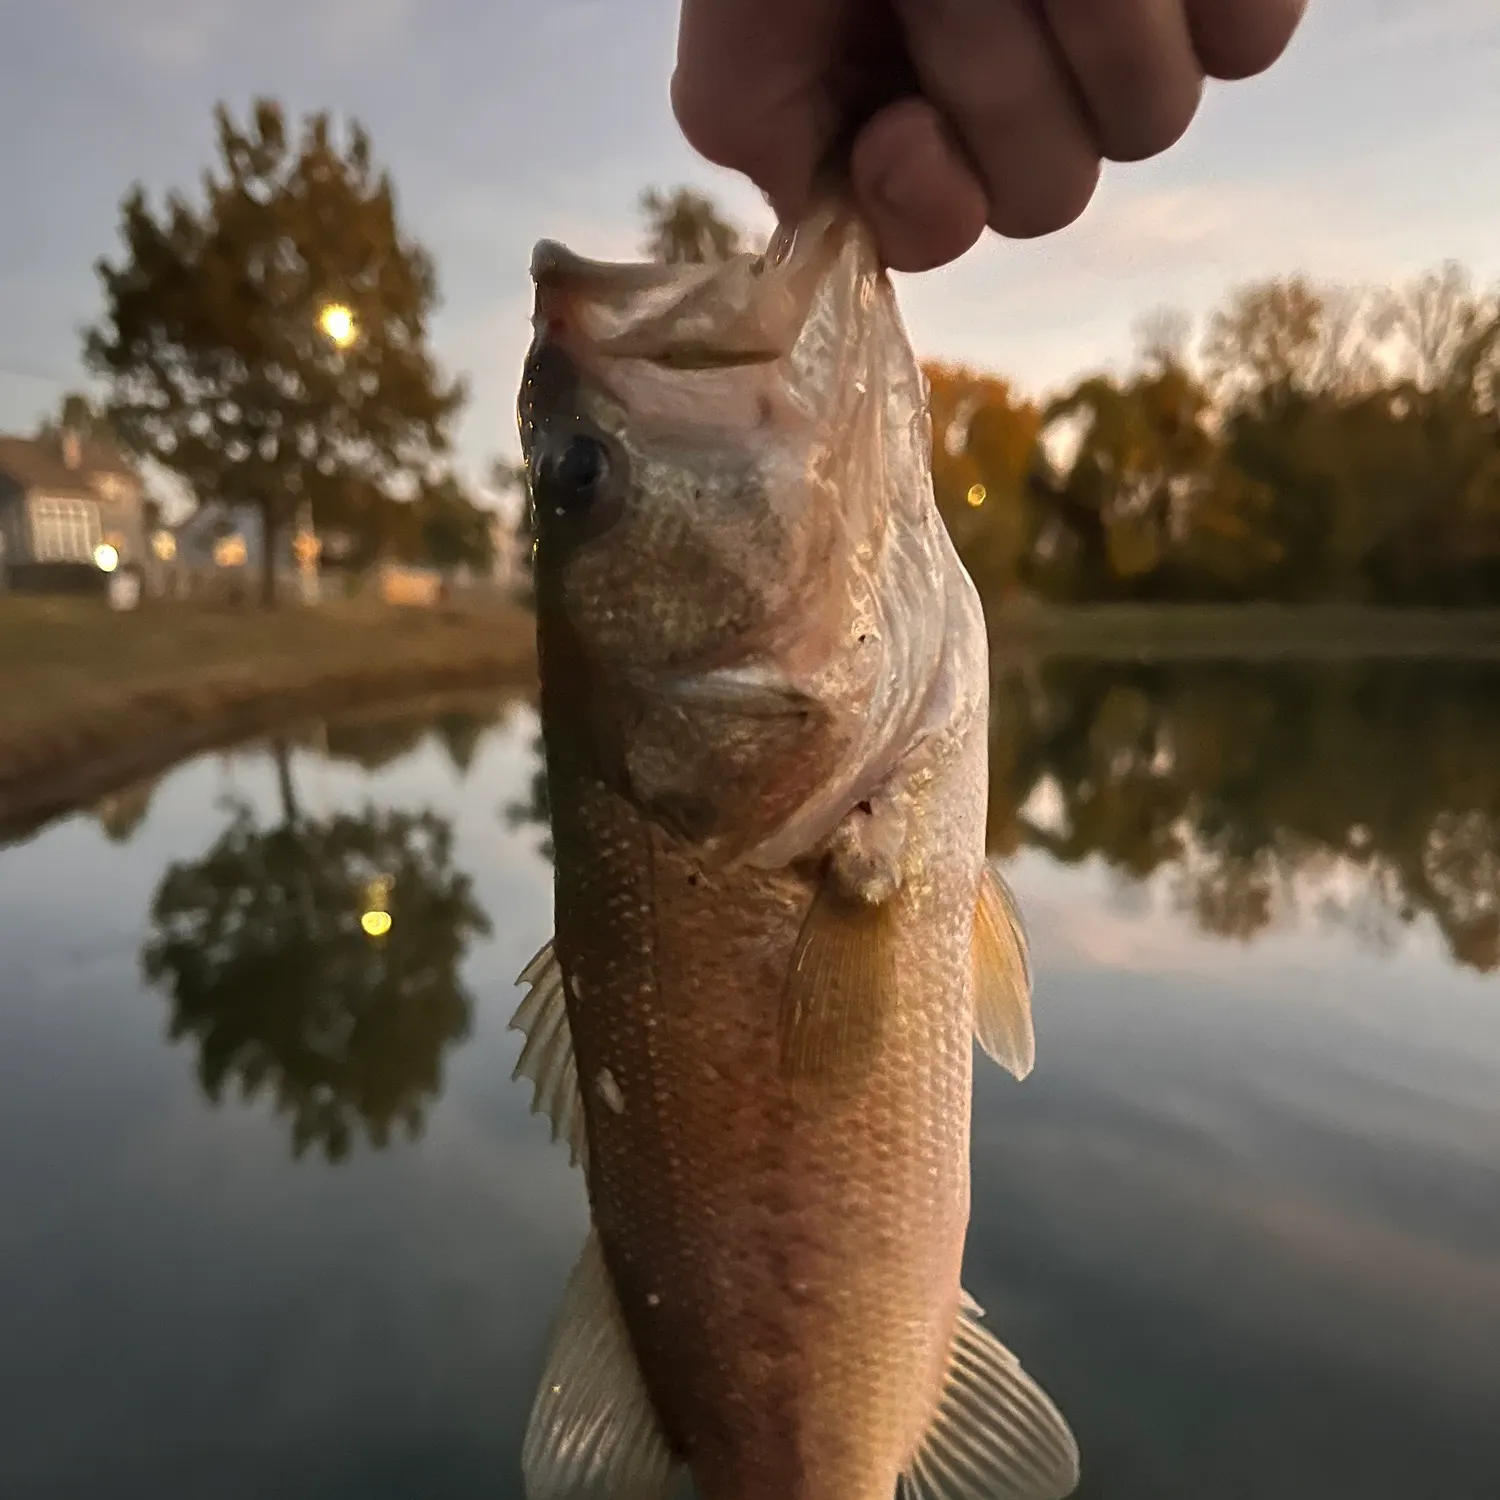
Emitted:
<point x="1244" y="1219"/>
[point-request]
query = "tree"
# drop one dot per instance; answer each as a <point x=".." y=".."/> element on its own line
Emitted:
<point x="510" y="478"/>
<point x="1162" y="337"/>
<point x="77" y="413"/>
<point x="268" y="344"/>
<point x="983" y="435"/>
<point x="686" y="227"/>
<point x="1437" y="323"/>
<point x="1279" y="342"/>
<point x="1147" y="503"/>
<point x="455" y="531"/>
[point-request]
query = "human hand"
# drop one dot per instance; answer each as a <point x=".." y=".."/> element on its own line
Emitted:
<point x="986" y="112"/>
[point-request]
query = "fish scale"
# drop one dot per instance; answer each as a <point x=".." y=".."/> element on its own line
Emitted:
<point x="777" y="935"/>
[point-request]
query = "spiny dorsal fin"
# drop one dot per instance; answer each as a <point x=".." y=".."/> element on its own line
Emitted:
<point x="547" y="1060"/>
<point x="840" y="991"/>
<point x="996" y="1434"/>
<point x="1002" y="977"/>
<point x="593" y="1434"/>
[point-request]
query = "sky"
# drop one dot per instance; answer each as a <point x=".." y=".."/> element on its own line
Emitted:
<point x="1366" y="154"/>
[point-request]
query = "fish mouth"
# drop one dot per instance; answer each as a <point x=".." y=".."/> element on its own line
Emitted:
<point x="555" y="266"/>
<point x="746" y="310"/>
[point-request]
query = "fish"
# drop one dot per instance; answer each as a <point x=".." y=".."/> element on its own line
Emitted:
<point x="764" y="715"/>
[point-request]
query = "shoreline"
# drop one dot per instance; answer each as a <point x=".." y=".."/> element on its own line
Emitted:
<point x="101" y="741"/>
<point x="70" y="760"/>
<point x="1241" y="632"/>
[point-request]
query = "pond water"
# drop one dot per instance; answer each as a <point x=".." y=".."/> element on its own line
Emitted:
<point x="275" y="1221"/>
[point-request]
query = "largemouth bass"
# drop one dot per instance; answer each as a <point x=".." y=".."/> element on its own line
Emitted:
<point x="764" y="697"/>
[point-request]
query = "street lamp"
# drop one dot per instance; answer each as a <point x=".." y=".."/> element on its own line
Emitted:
<point x="337" y="322"/>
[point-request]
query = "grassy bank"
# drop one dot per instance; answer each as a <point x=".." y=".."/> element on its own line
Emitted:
<point x="1243" y="632"/>
<point x="90" y="699"/>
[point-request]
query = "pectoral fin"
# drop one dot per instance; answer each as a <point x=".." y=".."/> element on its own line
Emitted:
<point x="840" y="991"/>
<point x="996" y="1434"/>
<point x="547" y="1060"/>
<point x="593" y="1434"/>
<point x="1002" y="977"/>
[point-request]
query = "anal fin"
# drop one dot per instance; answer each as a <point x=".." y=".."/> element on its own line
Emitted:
<point x="996" y="1434"/>
<point x="547" y="1061"/>
<point x="1002" y="977"/>
<point x="593" y="1434"/>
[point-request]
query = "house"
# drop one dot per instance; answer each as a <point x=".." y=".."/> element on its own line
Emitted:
<point x="61" y="498"/>
<point x="218" y="552"/>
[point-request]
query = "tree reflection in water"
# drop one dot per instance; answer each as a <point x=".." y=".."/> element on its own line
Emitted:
<point x="376" y="739"/>
<point x="534" y="809"/>
<point x="1369" y="791"/>
<point x="281" y="976"/>
<point x="1365" y="793"/>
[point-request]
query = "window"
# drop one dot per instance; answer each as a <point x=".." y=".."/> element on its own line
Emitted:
<point x="64" y="530"/>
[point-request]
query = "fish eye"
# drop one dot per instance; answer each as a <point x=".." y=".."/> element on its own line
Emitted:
<point x="570" y="478"/>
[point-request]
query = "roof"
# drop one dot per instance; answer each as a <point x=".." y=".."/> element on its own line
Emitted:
<point x="215" y="517"/>
<point x="198" y="535"/>
<point x="37" y="463"/>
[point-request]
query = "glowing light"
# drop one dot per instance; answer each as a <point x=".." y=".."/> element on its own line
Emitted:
<point x="337" y="323"/>
<point x="164" y="545"/>
<point x="106" y="557"/>
<point x="376" y="918"/>
<point x="376" y="923"/>
<point x="229" y="552"/>
<point x="307" y="547"/>
<point x="977" y="495"/>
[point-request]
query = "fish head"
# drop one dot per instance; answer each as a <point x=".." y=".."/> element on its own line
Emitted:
<point x="735" y="538"/>
<point x="696" y="445"/>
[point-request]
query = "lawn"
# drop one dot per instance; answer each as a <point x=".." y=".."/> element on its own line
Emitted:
<point x="88" y="696"/>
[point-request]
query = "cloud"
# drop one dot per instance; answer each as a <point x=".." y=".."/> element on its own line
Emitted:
<point x="1399" y="24"/>
<point x="163" y="33"/>
<point x="178" y="35"/>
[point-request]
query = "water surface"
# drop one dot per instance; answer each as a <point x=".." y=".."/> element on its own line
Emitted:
<point x="274" y="1220"/>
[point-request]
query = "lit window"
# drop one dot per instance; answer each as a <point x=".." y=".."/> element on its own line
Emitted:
<point x="64" y="530"/>
<point x="229" y="551"/>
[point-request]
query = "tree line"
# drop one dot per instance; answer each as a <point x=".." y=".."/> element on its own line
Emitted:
<point x="267" y="341"/>
<point x="1310" y="443"/>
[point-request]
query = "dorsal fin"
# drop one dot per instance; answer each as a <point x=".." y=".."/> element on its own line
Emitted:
<point x="547" y="1060"/>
